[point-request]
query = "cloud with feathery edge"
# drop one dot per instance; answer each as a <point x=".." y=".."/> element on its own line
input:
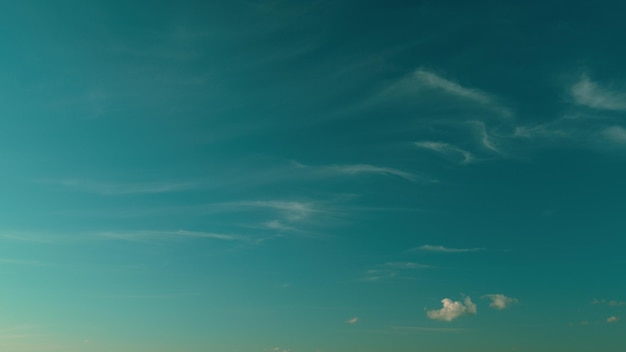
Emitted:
<point x="358" y="169"/>
<point x="447" y="150"/>
<point x="148" y="235"/>
<point x="588" y="93"/>
<point x="122" y="189"/>
<point x="352" y="321"/>
<point x="452" y="309"/>
<point x="435" y="81"/>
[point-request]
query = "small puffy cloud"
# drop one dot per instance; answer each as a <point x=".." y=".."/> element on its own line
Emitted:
<point x="612" y="319"/>
<point x="500" y="301"/>
<point x="452" y="309"/>
<point x="352" y="321"/>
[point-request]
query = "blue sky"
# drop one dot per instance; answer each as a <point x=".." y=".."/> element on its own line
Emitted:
<point x="312" y="176"/>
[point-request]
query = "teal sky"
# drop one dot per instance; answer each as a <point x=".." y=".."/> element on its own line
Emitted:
<point x="312" y="176"/>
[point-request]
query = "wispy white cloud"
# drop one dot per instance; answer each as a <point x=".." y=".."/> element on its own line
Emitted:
<point x="413" y="86"/>
<point x="612" y="319"/>
<point x="446" y="149"/>
<point x="150" y="296"/>
<point x="121" y="189"/>
<point x="29" y="237"/>
<point x="359" y="169"/>
<point x="278" y="225"/>
<point x="452" y="309"/>
<point x="500" y="301"/>
<point x="615" y="134"/>
<point x="293" y="211"/>
<point x="406" y="265"/>
<point x="588" y="93"/>
<point x="394" y="270"/>
<point x="435" y="81"/>
<point x="485" y="139"/>
<point x="612" y="303"/>
<point x="149" y="235"/>
<point x="442" y="249"/>
<point x="352" y="321"/>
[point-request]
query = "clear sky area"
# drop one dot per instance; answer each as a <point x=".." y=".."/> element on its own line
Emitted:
<point x="312" y="176"/>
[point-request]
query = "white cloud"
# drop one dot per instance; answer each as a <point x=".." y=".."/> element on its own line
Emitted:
<point x="357" y="169"/>
<point x="293" y="211"/>
<point x="485" y="138"/>
<point x="407" y="265"/>
<point x="147" y="235"/>
<point x="434" y="81"/>
<point x="615" y="134"/>
<point x="370" y="169"/>
<point x="500" y="301"/>
<point x="612" y="319"/>
<point x="452" y="310"/>
<point x="446" y="149"/>
<point x="588" y="93"/>
<point x="416" y="86"/>
<point x="120" y="189"/>
<point x="352" y="321"/>
<point x="391" y="270"/>
<point x="442" y="249"/>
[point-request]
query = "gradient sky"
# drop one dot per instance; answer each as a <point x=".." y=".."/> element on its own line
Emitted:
<point x="312" y="176"/>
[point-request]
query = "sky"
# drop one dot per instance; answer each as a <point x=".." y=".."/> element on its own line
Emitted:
<point x="312" y="176"/>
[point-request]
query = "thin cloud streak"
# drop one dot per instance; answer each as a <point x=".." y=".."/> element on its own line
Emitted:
<point x="394" y="270"/>
<point x="148" y="235"/>
<point x="293" y="211"/>
<point x="446" y="149"/>
<point x="485" y="138"/>
<point x="122" y="189"/>
<point x="359" y="169"/>
<point x="442" y="249"/>
<point x="434" y="81"/>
